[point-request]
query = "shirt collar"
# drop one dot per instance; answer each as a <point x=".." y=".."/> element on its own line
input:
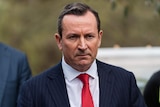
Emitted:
<point x="71" y="73"/>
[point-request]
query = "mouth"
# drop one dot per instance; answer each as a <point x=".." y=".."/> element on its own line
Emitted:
<point x="83" y="55"/>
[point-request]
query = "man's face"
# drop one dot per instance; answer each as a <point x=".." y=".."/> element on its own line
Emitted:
<point x="80" y="40"/>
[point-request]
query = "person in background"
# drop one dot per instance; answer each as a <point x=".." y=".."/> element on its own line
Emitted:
<point x="14" y="70"/>
<point x="81" y="80"/>
<point x="152" y="90"/>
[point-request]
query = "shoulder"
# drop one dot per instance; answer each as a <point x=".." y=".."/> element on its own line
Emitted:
<point x="114" y="71"/>
<point x="8" y="50"/>
<point x="51" y="73"/>
<point x="112" y="68"/>
<point x="155" y="78"/>
<point x="17" y="59"/>
<point x="156" y="75"/>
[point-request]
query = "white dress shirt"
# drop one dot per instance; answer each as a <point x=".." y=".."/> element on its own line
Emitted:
<point x="74" y="85"/>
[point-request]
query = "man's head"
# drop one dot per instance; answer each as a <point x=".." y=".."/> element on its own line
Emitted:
<point x="79" y="35"/>
<point x="77" y="9"/>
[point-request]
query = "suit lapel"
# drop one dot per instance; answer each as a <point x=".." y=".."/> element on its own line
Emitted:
<point x="4" y="69"/>
<point x="106" y="82"/>
<point x="57" y="87"/>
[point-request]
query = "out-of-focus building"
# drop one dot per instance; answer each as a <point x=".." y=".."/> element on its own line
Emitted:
<point x="142" y="61"/>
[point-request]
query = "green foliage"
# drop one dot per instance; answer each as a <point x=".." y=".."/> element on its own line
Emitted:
<point x="29" y="25"/>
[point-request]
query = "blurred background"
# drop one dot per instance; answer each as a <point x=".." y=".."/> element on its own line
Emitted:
<point x="29" y="25"/>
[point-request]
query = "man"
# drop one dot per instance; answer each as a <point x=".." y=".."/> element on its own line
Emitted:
<point x="152" y="90"/>
<point x="14" y="70"/>
<point x="79" y="37"/>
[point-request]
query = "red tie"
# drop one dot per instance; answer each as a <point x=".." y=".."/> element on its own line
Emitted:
<point x="86" y="94"/>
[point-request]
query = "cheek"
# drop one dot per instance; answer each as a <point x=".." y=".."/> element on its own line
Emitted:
<point x="94" y="49"/>
<point x="94" y="45"/>
<point x="68" y="48"/>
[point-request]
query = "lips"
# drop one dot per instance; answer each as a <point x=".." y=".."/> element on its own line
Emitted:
<point x="83" y="55"/>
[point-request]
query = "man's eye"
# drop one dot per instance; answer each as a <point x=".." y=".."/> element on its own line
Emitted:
<point x="89" y="36"/>
<point x="73" y="37"/>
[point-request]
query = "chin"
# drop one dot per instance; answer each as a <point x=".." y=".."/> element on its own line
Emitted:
<point x="84" y="63"/>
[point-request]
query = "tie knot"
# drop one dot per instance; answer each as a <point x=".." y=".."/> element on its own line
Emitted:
<point x="84" y="78"/>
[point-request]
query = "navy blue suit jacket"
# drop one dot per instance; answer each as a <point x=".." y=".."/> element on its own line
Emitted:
<point x="14" y="70"/>
<point x="117" y="89"/>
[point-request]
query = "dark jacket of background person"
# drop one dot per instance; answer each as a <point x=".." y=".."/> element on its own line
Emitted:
<point x="151" y="91"/>
<point x="14" y="70"/>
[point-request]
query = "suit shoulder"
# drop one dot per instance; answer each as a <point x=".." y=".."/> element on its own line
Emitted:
<point x="116" y="72"/>
<point x="112" y="68"/>
<point x="8" y="49"/>
<point x="50" y="73"/>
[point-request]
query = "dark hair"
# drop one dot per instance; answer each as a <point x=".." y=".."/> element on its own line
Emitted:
<point x="76" y="9"/>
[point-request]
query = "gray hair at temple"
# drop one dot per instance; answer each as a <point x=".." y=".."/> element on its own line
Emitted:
<point x="76" y="9"/>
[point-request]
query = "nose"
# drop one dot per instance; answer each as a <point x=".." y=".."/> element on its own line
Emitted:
<point x="82" y="44"/>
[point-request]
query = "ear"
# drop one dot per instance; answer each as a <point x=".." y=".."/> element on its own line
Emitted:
<point x="100" y="34"/>
<point x="58" y="41"/>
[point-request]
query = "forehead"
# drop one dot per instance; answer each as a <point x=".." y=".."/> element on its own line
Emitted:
<point x="86" y="21"/>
